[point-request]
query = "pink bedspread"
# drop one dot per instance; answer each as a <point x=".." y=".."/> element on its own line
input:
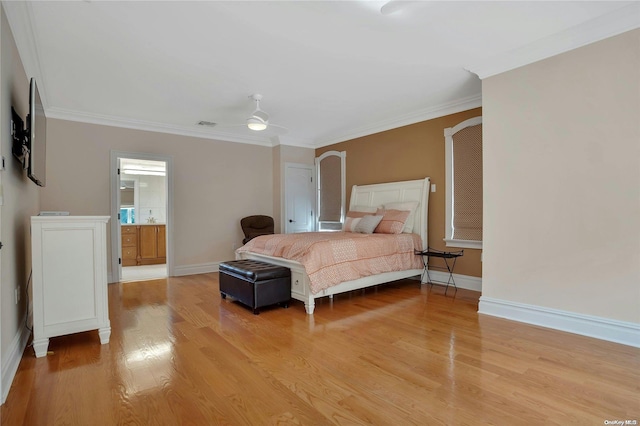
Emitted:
<point x="330" y="258"/>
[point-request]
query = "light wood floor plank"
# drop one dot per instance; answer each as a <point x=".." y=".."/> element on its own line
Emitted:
<point x="395" y="354"/>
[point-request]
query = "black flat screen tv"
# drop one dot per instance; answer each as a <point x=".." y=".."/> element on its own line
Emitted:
<point x="36" y="137"/>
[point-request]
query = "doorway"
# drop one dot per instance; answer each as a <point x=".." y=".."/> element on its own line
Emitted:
<point x="141" y="200"/>
<point x="299" y="198"/>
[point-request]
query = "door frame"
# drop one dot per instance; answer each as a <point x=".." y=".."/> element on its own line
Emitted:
<point x="116" y="244"/>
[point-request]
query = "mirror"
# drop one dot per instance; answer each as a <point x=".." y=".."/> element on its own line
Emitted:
<point x="331" y="180"/>
<point x="127" y="201"/>
<point x="143" y="191"/>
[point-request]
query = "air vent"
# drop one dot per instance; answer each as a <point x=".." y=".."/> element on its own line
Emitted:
<point x="206" y="123"/>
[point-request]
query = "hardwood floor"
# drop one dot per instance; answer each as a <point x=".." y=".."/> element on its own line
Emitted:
<point x="395" y="354"/>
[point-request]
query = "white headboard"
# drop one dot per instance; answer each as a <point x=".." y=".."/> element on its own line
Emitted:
<point x="377" y="194"/>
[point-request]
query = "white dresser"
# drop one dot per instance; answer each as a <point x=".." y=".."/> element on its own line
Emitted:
<point x="69" y="277"/>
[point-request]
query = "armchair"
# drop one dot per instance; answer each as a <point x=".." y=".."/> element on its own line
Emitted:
<point x="254" y="226"/>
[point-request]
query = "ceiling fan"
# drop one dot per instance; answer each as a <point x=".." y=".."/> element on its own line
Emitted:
<point x="258" y="121"/>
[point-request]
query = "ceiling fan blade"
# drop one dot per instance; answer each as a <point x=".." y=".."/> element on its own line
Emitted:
<point x="279" y="129"/>
<point x="270" y="129"/>
<point x="393" y="6"/>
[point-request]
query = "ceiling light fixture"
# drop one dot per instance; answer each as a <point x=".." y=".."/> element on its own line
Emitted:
<point x="255" y="123"/>
<point x="259" y="119"/>
<point x="143" y="172"/>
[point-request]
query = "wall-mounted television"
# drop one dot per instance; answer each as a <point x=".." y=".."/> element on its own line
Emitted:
<point x="19" y="146"/>
<point x="37" y="137"/>
<point x="30" y="143"/>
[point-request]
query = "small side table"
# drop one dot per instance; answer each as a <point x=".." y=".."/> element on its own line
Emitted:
<point x="449" y="258"/>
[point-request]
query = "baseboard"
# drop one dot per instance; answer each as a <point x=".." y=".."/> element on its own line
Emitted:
<point x="202" y="268"/>
<point x="626" y="333"/>
<point x="12" y="361"/>
<point x="462" y="281"/>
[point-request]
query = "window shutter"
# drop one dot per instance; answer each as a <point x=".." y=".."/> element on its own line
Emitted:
<point x="330" y="189"/>
<point x="467" y="184"/>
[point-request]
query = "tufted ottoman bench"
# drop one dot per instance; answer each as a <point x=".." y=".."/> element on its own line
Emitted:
<point x="255" y="283"/>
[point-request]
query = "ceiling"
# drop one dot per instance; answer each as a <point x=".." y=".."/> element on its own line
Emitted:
<point x="328" y="71"/>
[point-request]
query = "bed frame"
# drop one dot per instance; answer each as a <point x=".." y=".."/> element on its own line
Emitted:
<point x="361" y="195"/>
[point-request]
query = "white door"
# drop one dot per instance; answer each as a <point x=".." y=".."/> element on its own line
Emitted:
<point x="299" y="191"/>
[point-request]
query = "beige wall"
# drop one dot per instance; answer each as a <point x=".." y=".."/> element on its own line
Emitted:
<point x="20" y="202"/>
<point x="215" y="183"/>
<point x="410" y="152"/>
<point x="562" y="181"/>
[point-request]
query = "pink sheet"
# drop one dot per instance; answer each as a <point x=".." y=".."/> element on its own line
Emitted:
<point x="330" y="258"/>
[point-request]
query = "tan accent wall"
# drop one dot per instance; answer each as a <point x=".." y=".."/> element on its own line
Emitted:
<point x="562" y="182"/>
<point x="410" y="152"/>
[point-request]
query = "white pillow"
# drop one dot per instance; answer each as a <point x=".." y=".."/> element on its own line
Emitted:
<point x="412" y="206"/>
<point x="367" y="224"/>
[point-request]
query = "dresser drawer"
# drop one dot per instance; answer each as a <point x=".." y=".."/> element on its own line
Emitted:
<point x="297" y="284"/>
<point x="128" y="230"/>
<point x="129" y="240"/>
<point x="129" y="253"/>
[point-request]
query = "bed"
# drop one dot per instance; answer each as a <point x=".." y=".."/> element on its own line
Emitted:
<point x="405" y="263"/>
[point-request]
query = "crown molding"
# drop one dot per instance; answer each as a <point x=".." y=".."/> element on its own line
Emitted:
<point x="611" y="24"/>
<point x="20" y="18"/>
<point x="430" y="113"/>
<point x="621" y="20"/>
<point x="105" y="120"/>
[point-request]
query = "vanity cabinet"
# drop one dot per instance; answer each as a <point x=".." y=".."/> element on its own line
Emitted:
<point x="152" y="244"/>
<point x="144" y="244"/>
<point x="69" y="260"/>
<point x="129" y="245"/>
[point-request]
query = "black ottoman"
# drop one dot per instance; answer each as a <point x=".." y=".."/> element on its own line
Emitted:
<point x="255" y="283"/>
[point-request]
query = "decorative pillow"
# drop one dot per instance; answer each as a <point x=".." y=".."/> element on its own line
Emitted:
<point x="412" y="206"/>
<point x="367" y="224"/>
<point x="353" y="217"/>
<point x="392" y="221"/>
<point x="350" y="223"/>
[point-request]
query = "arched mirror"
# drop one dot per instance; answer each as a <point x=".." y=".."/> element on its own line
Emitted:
<point x="331" y="179"/>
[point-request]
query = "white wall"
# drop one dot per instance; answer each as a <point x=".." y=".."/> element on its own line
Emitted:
<point x="562" y="183"/>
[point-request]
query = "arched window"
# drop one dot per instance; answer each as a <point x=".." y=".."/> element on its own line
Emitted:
<point x="331" y="180"/>
<point x="463" y="157"/>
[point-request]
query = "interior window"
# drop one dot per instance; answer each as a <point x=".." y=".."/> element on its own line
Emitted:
<point x="127" y="215"/>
